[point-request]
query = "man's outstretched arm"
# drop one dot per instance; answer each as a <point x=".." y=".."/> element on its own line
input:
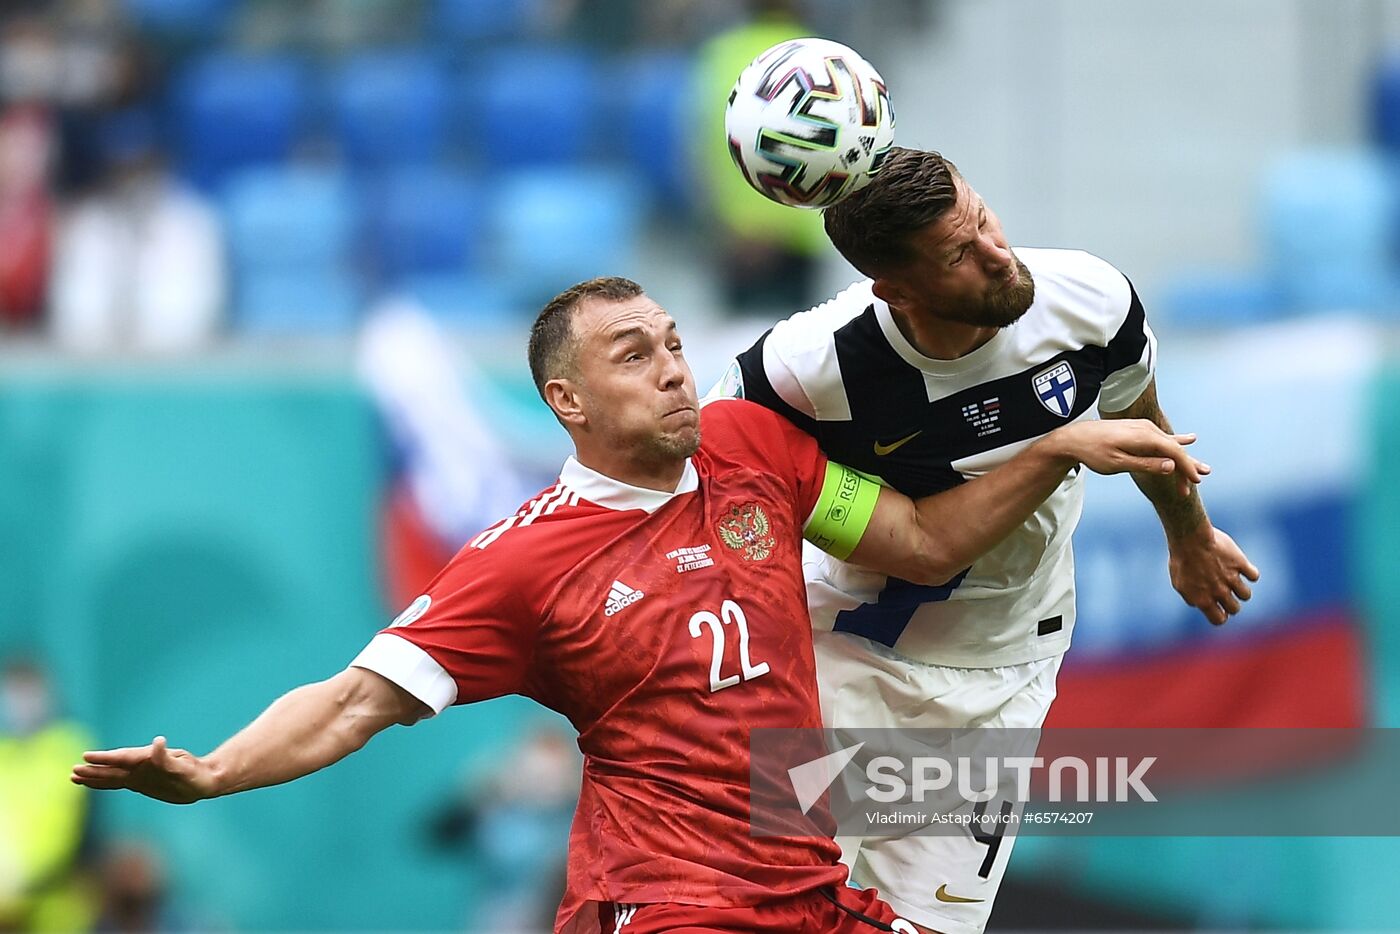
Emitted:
<point x="931" y="539"/>
<point x="1207" y="568"/>
<point x="303" y="731"/>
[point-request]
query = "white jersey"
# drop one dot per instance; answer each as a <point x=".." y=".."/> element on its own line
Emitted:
<point x="843" y="372"/>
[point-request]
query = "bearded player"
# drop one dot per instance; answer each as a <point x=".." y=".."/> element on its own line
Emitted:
<point x="654" y="596"/>
<point x="954" y="354"/>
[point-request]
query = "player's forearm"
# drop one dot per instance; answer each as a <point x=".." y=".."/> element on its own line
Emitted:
<point x="302" y="732"/>
<point x="1181" y="515"/>
<point x="960" y="525"/>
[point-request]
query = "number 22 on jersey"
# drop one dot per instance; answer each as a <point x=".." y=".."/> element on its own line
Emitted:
<point x="730" y="613"/>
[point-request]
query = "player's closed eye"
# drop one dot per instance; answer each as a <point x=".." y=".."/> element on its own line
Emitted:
<point x="981" y="226"/>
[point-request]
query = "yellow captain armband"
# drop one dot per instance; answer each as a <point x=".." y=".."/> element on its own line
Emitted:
<point x="843" y="511"/>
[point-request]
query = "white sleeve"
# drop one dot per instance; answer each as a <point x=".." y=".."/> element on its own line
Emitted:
<point x="800" y="358"/>
<point x="1132" y="348"/>
<point x="411" y="668"/>
<point x="781" y="375"/>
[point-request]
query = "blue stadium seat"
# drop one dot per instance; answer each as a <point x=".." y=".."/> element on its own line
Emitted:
<point x="390" y="109"/>
<point x="481" y="20"/>
<point x="655" y="94"/>
<point x="532" y="106"/>
<point x="1220" y="299"/>
<point x="1385" y="105"/>
<point x="1330" y="226"/>
<point x="425" y="220"/>
<point x="235" y="111"/>
<point x="181" y="17"/>
<point x="464" y="298"/>
<point x="289" y="218"/>
<point x="291" y="233"/>
<point x="551" y="227"/>
<point x="296" y="301"/>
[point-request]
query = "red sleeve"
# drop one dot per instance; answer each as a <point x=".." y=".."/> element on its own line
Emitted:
<point x="469" y="638"/>
<point x="757" y="435"/>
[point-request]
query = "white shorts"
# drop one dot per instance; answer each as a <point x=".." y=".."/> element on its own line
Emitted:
<point x="947" y="883"/>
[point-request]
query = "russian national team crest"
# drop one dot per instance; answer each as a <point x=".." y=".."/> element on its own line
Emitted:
<point x="746" y="530"/>
<point x="1054" y="388"/>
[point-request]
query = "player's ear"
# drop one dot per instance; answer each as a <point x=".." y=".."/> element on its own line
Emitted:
<point x="888" y="291"/>
<point x="563" y="397"/>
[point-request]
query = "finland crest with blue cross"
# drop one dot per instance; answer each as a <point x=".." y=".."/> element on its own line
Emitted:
<point x="1054" y="387"/>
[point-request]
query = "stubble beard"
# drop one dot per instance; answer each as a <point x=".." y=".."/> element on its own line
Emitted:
<point x="676" y="445"/>
<point x="999" y="309"/>
<point x="658" y="448"/>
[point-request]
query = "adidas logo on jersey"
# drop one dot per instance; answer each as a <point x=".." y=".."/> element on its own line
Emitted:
<point x="620" y="598"/>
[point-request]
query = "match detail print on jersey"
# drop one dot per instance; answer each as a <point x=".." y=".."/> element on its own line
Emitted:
<point x="844" y="510"/>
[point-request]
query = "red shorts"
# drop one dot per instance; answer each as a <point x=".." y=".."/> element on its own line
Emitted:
<point x="839" y="910"/>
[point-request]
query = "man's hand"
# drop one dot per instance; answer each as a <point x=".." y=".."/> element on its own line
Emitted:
<point x="1211" y="572"/>
<point x="1207" y="568"/>
<point x="304" y="730"/>
<point x="1129" y="445"/>
<point x="930" y="540"/>
<point x="172" y="775"/>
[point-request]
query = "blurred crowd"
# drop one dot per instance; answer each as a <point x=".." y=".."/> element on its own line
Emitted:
<point x="175" y="171"/>
<point x="57" y="872"/>
<point x="514" y="820"/>
<point x="172" y="171"/>
<point x="62" y="871"/>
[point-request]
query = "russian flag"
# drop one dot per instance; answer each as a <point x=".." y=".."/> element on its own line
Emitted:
<point x="1280" y="413"/>
<point x="451" y="473"/>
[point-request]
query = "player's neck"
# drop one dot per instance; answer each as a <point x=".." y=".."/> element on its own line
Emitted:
<point x="940" y="339"/>
<point x="663" y="476"/>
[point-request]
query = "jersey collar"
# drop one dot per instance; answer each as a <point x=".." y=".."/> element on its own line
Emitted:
<point x="911" y="355"/>
<point x="614" y="494"/>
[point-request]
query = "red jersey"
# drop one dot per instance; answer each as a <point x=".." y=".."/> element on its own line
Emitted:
<point x="665" y="626"/>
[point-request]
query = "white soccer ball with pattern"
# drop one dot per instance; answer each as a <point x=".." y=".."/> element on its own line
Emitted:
<point x="809" y="121"/>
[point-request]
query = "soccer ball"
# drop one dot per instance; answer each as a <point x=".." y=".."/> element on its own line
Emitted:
<point x="809" y="121"/>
